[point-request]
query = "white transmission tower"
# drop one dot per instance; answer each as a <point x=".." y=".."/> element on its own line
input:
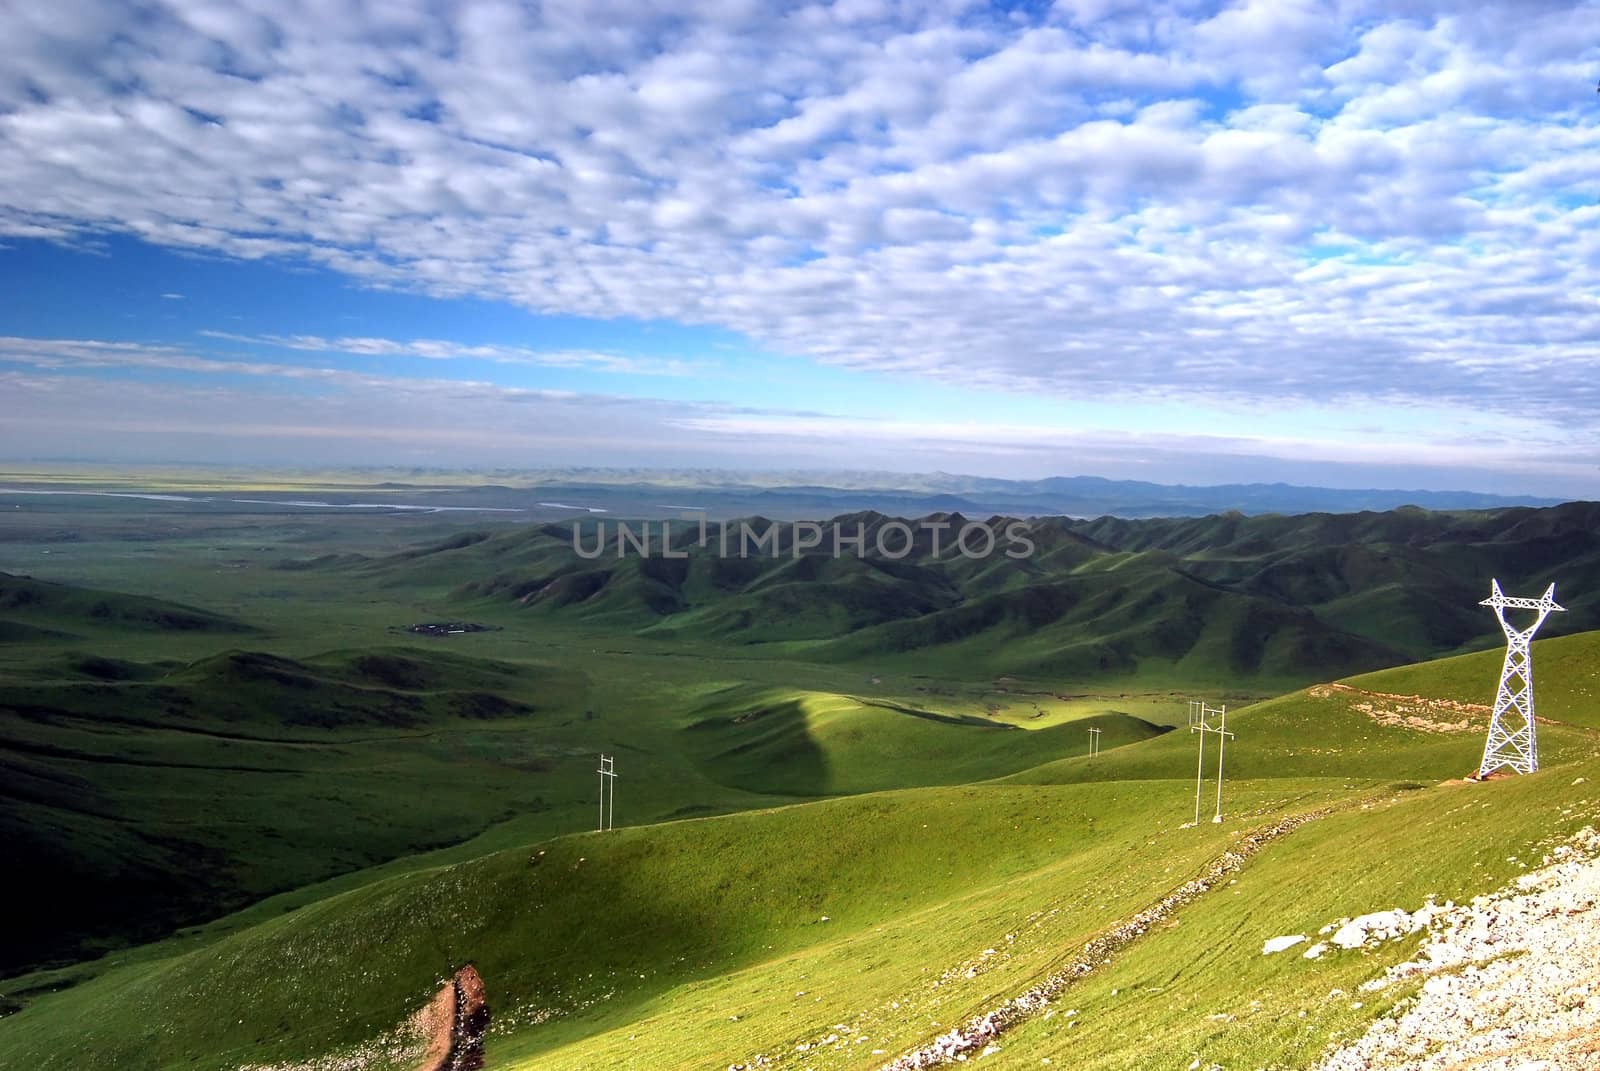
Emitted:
<point x="1511" y="737"/>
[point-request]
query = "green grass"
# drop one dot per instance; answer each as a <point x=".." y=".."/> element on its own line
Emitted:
<point x="161" y="780"/>
<point x="807" y="743"/>
<point x="140" y="797"/>
<point x="391" y="790"/>
<point x="605" y="924"/>
<point x="1566" y="683"/>
<point x="671" y="945"/>
<point x="31" y="606"/>
<point x="1203" y="988"/>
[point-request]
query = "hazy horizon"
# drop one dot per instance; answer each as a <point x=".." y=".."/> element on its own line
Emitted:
<point x="929" y="481"/>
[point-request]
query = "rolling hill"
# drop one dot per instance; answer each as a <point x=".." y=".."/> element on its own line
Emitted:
<point x="145" y="795"/>
<point x="837" y="934"/>
<point x="1275" y="600"/>
<point x="139" y="797"/>
<point x="846" y="778"/>
<point x="40" y="609"/>
<point x="798" y="744"/>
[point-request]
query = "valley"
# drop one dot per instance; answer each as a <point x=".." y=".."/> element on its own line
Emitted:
<point x="263" y="817"/>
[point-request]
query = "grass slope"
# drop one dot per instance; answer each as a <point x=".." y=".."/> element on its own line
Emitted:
<point x="807" y="743"/>
<point x="1276" y="600"/>
<point x="139" y="797"/>
<point x="1566" y="684"/>
<point x="683" y="902"/>
<point x="142" y="795"/>
<point x="32" y="608"/>
<point x="1074" y="610"/>
<point x="886" y="917"/>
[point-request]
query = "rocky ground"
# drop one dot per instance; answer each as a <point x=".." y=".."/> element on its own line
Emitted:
<point x="1512" y="981"/>
<point x="1420" y="713"/>
<point x="445" y="1034"/>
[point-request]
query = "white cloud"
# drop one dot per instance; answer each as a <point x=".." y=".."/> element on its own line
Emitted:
<point x="290" y="414"/>
<point x="278" y="410"/>
<point x="1282" y="201"/>
<point x="446" y="350"/>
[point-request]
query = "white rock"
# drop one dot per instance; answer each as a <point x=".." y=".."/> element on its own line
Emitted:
<point x="1278" y="944"/>
<point x="1509" y="980"/>
<point x="1376" y="927"/>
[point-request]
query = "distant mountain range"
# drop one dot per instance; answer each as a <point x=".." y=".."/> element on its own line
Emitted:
<point x="799" y="495"/>
<point x="1224" y="598"/>
<point x="784" y="495"/>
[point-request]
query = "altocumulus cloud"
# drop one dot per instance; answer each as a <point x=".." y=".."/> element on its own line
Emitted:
<point x="1272" y="199"/>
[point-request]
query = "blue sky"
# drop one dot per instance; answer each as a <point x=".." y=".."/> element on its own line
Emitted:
<point x="1351" y="243"/>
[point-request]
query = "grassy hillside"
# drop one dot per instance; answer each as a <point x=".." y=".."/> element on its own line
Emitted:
<point x="142" y="795"/>
<point x="1361" y="730"/>
<point x="1202" y="989"/>
<point x="1277" y="600"/>
<point x="1566" y="677"/>
<point x="162" y="764"/>
<point x="1408" y="577"/>
<point x="604" y="925"/>
<point x="804" y="744"/>
<point x="138" y="797"/>
<point x="889" y="917"/>
<point x="32" y="609"/>
<point x="1073" y="611"/>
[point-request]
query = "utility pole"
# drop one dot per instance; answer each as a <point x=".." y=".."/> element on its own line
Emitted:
<point x="1201" y="713"/>
<point x="608" y="773"/>
<point x="1511" y="741"/>
<point x="1222" y="742"/>
<point x="1094" y="742"/>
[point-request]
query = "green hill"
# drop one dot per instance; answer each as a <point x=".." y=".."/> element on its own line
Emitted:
<point x="138" y="797"/>
<point x="1276" y="600"/>
<point x="835" y="934"/>
<point x="807" y="744"/>
<point x="1408" y="577"/>
<point x="29" y="606"/>
<point x="1566" y="672"/>
<point x="390" y="797"/>
<point x="1359" y="729"/>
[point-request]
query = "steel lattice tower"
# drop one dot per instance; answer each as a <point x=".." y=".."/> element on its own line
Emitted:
<point x="1511" y="737"/>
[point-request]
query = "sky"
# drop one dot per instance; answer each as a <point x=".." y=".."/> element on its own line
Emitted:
<point x="1350" y="243"/>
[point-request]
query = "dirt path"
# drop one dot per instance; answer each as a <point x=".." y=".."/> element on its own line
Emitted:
<point x="979" y="1031"/>
<point x="445" y="1034"/>
<point x="454" y="1024"/>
